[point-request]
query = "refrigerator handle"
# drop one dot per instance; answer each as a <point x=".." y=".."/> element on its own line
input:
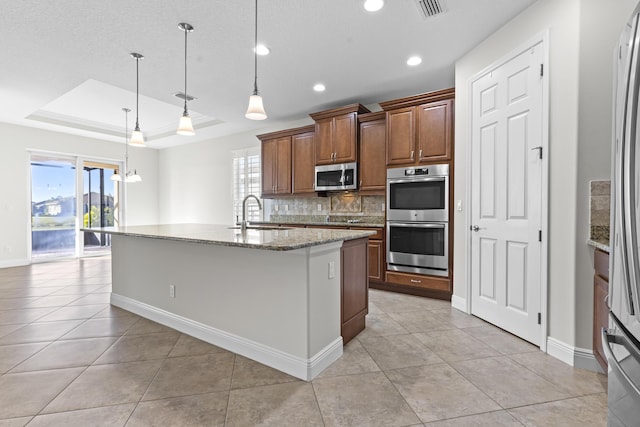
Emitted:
<point x="614" y="364"/>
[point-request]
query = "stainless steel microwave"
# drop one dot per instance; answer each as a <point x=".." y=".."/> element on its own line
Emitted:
<point x="342" y="176"/>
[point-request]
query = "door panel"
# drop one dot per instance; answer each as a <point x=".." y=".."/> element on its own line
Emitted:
<point x="506" y="195"/>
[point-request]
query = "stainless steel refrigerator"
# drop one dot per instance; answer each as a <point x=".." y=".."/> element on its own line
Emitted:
<point x="621" y="341"/>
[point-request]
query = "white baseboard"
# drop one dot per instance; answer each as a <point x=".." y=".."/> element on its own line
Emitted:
<point x="459" y="303"/>
<point x="305" y="369"/>
<point x="13" y="263"/>
<point x="573" y="356"/>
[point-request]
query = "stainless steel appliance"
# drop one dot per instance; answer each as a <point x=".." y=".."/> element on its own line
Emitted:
<point x="342" y="176"/>
<point x="418" y="247"/>
<point x="621" y="341"/>
<point x="417" y="219"/>
<point x="419" y="193"/>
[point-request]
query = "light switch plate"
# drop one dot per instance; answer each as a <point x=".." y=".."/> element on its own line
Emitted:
<point x="332" y="269"/>
<point x="459" y="205"/>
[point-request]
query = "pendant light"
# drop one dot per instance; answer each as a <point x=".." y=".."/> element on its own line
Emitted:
<point x="128" y="176"/>
<point x="137" y="139"/>
<point x="255" y="110"/>
<point x="185" y="127"/>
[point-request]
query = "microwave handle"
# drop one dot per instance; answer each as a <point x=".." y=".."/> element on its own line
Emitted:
<point x="425" y="179"/>
<point x="416" y="225"/>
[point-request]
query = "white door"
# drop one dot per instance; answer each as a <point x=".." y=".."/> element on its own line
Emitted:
<point x="506" y="198"/>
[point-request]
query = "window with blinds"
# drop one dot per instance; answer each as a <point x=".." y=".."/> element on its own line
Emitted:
<point x="246" y="180"/>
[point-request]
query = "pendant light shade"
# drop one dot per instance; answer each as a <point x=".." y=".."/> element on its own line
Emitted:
<point x="256" y="109"/>
<point x="116" y="177"/>
<point x="137" y="139"/>
<point x="185" y="127"/>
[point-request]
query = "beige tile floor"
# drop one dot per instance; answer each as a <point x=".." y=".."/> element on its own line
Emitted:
<point x="67" y="358"/>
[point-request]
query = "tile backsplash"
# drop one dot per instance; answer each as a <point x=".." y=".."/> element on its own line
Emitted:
<point x="599" y="210"/>
<point x="348" y="204"/>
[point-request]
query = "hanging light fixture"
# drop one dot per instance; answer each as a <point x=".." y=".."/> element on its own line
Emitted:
<point x="128" y="176"/>
<point x="137" y="139"/>
<point x="255" y="110"/>
<point x="185" y="127"/>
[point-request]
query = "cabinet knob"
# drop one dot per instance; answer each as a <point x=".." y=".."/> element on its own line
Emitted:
<point x="412" y="152"/>
<point x="420" y="154"/>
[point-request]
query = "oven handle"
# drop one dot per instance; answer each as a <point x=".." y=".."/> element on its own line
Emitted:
<point x="421" y="179"/>
<point x="416" y="224"/>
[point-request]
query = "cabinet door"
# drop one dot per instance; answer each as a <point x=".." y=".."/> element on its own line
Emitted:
<point x="354" y="287"/>
<point x="401" y="136"/>
<point x="435" y="128"/>
<point x="600" y="318"/>
<point x="324" y="141"/>
<point x="303" y="164"/>
<point x="375" y="260"/>
<point x="345" y="138"/>
<point x="269" y="159"/>
<point x="283" y="164"/>
<point x="372" y="168"/>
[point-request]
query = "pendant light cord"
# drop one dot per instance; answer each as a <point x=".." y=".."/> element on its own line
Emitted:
<point x="186" y="30"/>
<point x="255" y="54"/>
<point x="137" y="92"/>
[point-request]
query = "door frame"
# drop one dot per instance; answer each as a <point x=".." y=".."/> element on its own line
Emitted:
<point x="78" y="159"/>
<point x="543" y="40"/>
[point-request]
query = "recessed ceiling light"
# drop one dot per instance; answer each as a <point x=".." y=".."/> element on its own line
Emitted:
<point x="373" y="5"/>
<point x="262" y="50"/>
<point x="414" y="60"/>
<point x="319" y="87"/>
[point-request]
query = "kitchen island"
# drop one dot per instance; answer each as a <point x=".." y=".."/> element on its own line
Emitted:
<point x="279" y="296"/>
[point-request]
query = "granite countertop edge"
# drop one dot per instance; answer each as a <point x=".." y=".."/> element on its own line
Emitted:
<point x="324" y="223"/>
<point x="603" y="246"/>
<point x="302" y="238"/>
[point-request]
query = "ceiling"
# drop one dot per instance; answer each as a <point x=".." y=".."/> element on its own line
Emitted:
<point x="66" y="65"/>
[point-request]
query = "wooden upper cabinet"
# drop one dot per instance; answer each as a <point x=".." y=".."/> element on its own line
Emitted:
<point x="401" y="136"/>
<point x="324" y="141"/>
<point x="303" y="150"/>
<point x="336" y="133"/>
<point x="372" y="170"/>
<point x="434" y="131"/>
<point x="288" y="161"/>
<point x="345" y="138"/>
<point x="269" y="172"/>
<point x="420" y="128"/>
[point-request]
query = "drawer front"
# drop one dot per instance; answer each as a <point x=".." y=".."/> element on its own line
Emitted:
<point x="601" y="264"/>
<point x="416" y="280"/>
<point x="379" y="232"/>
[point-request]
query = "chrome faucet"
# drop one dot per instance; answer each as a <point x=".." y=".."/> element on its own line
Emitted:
<point x="243" y="224"/>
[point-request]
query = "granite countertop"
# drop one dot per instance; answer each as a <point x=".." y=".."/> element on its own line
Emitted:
<point x="280" y="239"/>
<point x="603" y="245"/>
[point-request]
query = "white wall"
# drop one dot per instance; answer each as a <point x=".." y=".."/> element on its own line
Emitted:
<point x="196" y="181"/>
<point x="15" y="141"/>
<point x="579" y="142"/>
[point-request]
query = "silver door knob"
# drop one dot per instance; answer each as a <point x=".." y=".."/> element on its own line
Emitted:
<point x="474" y="228"/>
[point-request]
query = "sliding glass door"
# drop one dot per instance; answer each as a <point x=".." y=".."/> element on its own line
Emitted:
<point x="62" y="187"/>
<point x="53" y="207"/>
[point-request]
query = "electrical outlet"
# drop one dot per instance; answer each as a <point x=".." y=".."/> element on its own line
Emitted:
<point x="319" y="207"/>
<point x="286" y="207"/>
<point x="172" y="291"/>
<point x="275" y="208"/>
<point x="332" y="269"/>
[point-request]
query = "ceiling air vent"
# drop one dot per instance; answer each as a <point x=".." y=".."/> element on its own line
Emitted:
<point x="182" y="96"/>
<point x="429" y="8"/>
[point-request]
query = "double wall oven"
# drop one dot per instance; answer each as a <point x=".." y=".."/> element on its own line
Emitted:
<point x="418" y="219"/>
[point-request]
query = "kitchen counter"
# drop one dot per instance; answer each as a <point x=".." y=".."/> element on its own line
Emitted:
<point x="281" y="297"/>
<point x="366" y="223"/>
<point x="603" y="245"/>
<point x="279" y="239"/>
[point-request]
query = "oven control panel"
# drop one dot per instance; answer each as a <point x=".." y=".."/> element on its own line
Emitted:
<point x="416" y="171"/>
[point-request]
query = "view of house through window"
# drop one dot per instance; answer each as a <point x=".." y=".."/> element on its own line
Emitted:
<point x="55" y="225"/>
<point x="246" y="180"/>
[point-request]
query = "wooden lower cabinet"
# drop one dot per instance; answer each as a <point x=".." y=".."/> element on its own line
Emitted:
<point x="600" y="309"/>
<point x="354" y="288"/>
<point x="419" y="281"/>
